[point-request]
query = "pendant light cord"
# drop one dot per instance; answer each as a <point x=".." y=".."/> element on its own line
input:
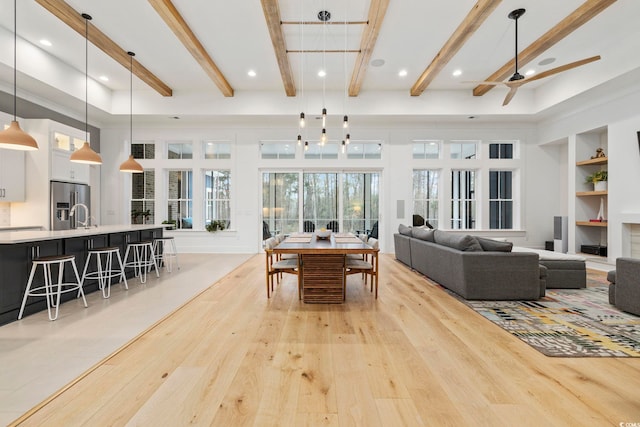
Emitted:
<point x="86" y="77"/>
<point x="15" y="49"/>
<point x="131" y="55"/>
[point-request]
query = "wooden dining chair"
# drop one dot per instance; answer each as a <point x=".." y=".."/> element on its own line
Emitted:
<point x="275" y="267"/>
<point x="368" y="266"/>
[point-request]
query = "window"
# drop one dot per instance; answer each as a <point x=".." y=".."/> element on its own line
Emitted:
<point x="364" y="150"/>
<point x="361" y="197"/>
<point x="501" y="150"/>
<point x="142" y="197"/>
<point x="217" y="150"/>
<point x="427" y="149"/>
<point x="425" y="195"/>
<point x="463" y="149"/>
<point x="280" y="209"/>
<point x="179" y="198"/>
<point x="463" y="203"/>
<point x="217" y="187"/>
<point x="179" y="150"/>
<point x="500" y="200"/>
<point x="316" y="151"/>
<point x="320" y="199"/>
<point x="143" y="150"/>
<point x="278" y="150"/>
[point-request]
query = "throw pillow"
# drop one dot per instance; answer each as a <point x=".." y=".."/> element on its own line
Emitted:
<point x="457" y="241"/>
<point x="404" y="230"/>
<point x="422" y="234"/>
<point x="494" y="245"/>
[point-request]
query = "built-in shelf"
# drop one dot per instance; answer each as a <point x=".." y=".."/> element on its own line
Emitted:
<point x="598" y="161"/>
<point x="592" y="193"/>
<point x="591" y="223"/>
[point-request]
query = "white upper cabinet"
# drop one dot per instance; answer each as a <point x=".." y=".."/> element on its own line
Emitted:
<point x="62" y="169"/>
<point x="12" y="176"/>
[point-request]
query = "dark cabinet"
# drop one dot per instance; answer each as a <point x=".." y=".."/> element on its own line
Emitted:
<point x="15" y="266"/>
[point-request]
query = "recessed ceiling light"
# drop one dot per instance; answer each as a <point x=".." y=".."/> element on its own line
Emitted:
<point x="530" y="72"/>
<point x="322" y="73"/>
<point x="402" y="73"/>
<point x="251" y="73"/>
<point x="457" y="72"/>
<point x="45" y="42"/>
<point x="104" y="78"/>
<point x="377" y="63"/>
<point x="547" y="61"/>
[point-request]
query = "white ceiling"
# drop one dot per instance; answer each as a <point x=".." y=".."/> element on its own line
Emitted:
<point x="236" y="37"/>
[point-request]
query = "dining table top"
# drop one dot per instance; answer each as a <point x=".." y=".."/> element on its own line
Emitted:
<point x="310" y="243"/>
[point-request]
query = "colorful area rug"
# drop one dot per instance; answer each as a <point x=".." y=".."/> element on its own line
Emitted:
<point x="568" y="322"/>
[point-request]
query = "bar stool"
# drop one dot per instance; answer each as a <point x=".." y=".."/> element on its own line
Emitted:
<point x="141" y="258"/>
<point x="52" y="291"/>
<point x="165" y="250"/>
<point x="105" y="269"/>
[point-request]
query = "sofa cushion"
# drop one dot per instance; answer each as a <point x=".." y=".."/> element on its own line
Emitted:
<point x="462" y="242"/>
<point x="404" y="230"/>
<point x="494" y="245"/>
<point x="611" y="276"/>
<point x="423" y="234"/>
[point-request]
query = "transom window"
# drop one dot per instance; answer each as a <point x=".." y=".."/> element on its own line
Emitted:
<point x="364" y="150"/>
<point x="179" y="150"/>
<point x="143" y="150"/>
<point x="501" y="150"/>
<point x="463" y="149"/>
<point x="216" y="150"/>
<point x="278" y="150"/>
<point x="316" y="151"/>
<point x="426" y="149"/>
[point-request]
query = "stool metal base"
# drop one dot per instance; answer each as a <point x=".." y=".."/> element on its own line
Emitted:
<point x="141" y="258"/>
<point x="165" y="251"/>
<point x="52" y="291"/>
<point x="105" y="271"/>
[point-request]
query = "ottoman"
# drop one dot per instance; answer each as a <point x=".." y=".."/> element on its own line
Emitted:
<point x="564" y="271"/>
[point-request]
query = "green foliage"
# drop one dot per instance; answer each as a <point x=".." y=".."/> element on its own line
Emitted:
<point x="597" y="176"/>
<point x="216" y="225"/>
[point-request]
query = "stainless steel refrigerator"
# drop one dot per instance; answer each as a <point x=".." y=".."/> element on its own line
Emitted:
<point x="64" y="196"/>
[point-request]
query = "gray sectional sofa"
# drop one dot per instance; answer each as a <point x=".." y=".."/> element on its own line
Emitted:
<point x="624" y="289"/>
<point x="473" y="267"/>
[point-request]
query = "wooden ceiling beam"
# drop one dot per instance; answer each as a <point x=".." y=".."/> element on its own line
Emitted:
<point x="478" y="14"/>
<point x="178" y="25"/>
<point x="271" y="11"/>
<point x="377" y="10"/>
<point x="575" y="20"/>
<point x="74" y="19"/>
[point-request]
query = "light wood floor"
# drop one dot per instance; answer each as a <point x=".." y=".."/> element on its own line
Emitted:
<point x="415" y="356"/>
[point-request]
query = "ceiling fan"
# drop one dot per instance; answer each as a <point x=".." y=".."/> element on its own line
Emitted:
<point x="517" y="79"/>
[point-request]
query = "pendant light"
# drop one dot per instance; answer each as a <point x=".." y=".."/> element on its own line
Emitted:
<point x="131" y="165"/>
<point x="13" y="137"/>
<point x="86" y="154"/>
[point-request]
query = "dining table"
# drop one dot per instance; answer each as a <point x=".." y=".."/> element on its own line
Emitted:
<point x="323" y="263"/>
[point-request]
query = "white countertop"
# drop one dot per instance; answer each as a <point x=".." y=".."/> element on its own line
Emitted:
<point x="24" y="236"/>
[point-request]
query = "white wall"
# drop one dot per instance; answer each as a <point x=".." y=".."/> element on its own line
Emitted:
<point x="539" y="166"/>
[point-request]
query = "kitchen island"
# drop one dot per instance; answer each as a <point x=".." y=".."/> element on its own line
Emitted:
<point x="19" y="248"/>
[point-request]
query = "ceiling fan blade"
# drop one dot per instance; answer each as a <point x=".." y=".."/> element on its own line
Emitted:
<point x="512" y="91"/>
<point x="562" y="68"/>
<point x="483" y="82"/>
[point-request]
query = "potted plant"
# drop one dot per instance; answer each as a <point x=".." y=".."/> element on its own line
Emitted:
<point x="216" y="225"/>
<point x="599" y="180"/>
<point x="170" y="224"/>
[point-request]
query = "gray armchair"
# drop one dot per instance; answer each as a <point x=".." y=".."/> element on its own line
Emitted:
<point x="624" y="285"/>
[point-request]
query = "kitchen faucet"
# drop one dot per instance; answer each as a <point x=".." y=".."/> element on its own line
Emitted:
<point x="85" y="224"/>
